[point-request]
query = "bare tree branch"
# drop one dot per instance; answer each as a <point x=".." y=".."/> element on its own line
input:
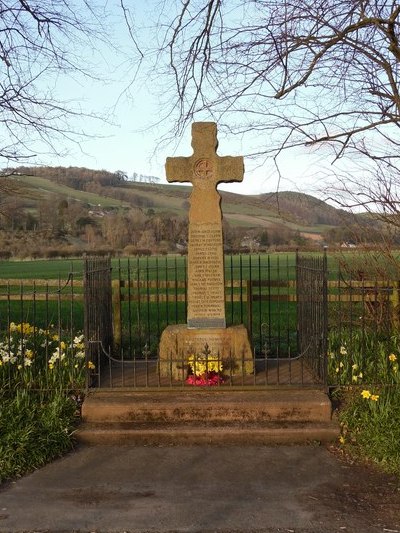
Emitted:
<point x="304" y="73"/>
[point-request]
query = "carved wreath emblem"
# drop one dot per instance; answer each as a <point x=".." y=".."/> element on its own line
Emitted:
<point x="203" y="168"/>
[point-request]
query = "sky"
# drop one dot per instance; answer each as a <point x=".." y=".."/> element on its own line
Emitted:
<point x="130" y="97"/>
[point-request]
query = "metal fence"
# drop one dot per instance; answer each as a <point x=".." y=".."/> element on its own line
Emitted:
<point x="283" y="303"/>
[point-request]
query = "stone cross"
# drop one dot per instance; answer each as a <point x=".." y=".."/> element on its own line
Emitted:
<point x="206" y="276"/>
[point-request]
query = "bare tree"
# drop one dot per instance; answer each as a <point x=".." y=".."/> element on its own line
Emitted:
<point x="314" y="73"/>
<point x="40" y="42"/>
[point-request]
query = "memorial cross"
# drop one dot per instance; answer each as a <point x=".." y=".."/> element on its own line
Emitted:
<point x="205" y="169"/>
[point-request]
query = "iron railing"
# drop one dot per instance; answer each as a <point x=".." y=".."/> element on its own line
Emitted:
<point x="281" y="305"/>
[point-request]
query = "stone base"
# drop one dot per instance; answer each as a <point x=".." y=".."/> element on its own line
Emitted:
<point x="231" y="345"/>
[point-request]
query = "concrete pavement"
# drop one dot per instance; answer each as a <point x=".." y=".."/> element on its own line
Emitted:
<point x="109" y="489"/>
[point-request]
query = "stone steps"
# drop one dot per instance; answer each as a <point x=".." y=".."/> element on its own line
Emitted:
<point x="207" y="417"/>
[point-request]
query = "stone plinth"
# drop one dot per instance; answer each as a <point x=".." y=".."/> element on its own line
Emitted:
<point x="231" y="345"/>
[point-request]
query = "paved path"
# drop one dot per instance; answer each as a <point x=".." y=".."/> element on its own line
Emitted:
<point x="201" y="489"/>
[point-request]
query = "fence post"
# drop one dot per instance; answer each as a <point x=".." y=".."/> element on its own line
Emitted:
<point x="395" y="304"/>
<point x="116" y="302"/>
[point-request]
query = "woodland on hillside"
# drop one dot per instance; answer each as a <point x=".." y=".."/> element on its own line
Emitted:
<point x="33" y="224"/>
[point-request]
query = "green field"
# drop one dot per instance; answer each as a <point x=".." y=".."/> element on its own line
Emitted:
<point x="46" y="188"/>
<point x="61" y="268"/>
<point x="153" y="305"/>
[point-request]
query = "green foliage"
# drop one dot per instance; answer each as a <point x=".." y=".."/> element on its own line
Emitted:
<point x="40" y="370"/>
<point x="32" y="358"/>
<point x="34" y="429"/>
<point x="359" y="356"/>
<point x="365" y="364"/>
<point x="370" y="420"/>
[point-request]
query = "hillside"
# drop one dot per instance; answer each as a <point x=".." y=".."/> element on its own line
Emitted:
<point x="79" y="208"/>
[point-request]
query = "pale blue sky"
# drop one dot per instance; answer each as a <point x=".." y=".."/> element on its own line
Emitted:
<point x="129" y="143"/>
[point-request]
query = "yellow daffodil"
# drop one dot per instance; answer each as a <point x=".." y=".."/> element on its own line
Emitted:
<point x="342" y="440"/>
<point x="201" y="364"/>
<point x="91" y="365"/>
<point x="392" y="357"/>
<point x="366" y="394"/>
<point x="374" y="397"/>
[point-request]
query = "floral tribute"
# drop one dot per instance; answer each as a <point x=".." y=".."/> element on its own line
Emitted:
<point x="205" y="369"/>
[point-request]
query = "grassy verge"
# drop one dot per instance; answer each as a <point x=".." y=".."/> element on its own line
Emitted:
<point x="364" y="363"/>
<point x="38" y="369"/>
<point x="370" y="420"/>
<point x="34" y="429"/>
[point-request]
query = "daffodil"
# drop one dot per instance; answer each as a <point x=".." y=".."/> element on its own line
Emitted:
<point x="342" y="440"/>
<point x="366" y="394"/>
<point x="91" y="366"/>
<point x="343" y="350"/>
<point x="374" y="397"/>
<point x="392" y="357"/>
<point x="202" y="364"/>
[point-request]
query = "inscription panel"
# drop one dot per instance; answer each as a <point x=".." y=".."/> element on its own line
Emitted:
<point x="215" y="344"/>
<point x="206" y="292"/>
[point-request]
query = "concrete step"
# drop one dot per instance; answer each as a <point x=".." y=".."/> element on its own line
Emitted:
<point x="203" y="416"/>
<point x="204" y="405"/>
<point x="189" y="434"/>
